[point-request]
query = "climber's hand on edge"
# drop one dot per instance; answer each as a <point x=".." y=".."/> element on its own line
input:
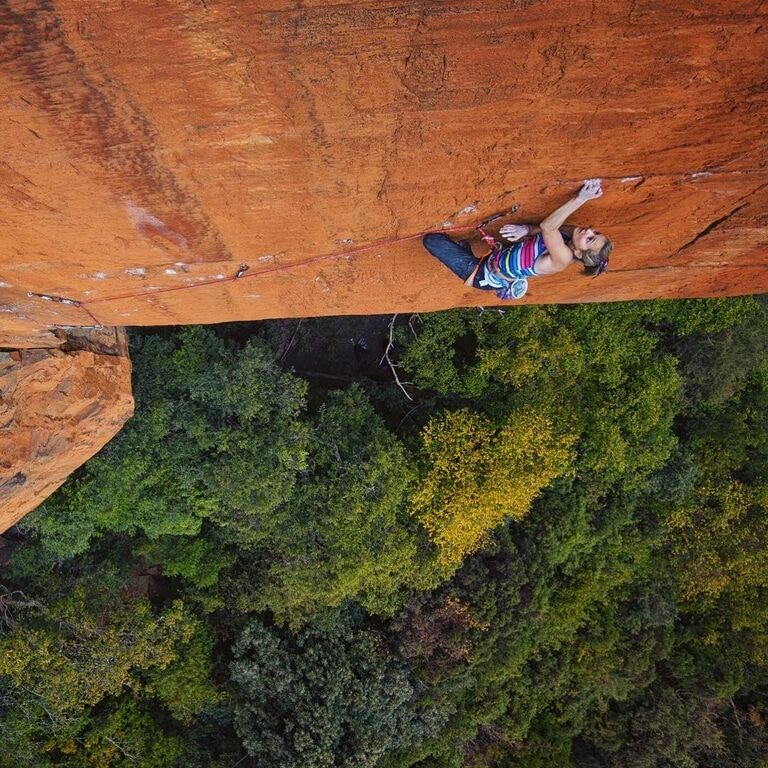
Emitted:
<point x="590" y="190"/>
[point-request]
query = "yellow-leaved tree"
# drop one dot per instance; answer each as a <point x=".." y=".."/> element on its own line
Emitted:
<point x="477" y="473"/>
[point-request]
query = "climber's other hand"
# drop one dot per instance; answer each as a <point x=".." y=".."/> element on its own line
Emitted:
<point x="514" y="232"/>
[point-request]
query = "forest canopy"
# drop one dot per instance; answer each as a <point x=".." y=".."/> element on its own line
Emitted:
<point x="554" y="554"/>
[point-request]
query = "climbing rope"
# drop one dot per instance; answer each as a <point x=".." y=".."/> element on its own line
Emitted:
<point x="244" y="273"/>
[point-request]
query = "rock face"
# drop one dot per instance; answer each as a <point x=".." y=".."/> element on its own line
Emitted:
<point x="188" y="161"/>
<point x="151" y="149"/>
<point x="57" y="408"/>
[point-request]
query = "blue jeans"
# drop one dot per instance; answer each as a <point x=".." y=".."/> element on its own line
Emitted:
<point x="458" y="258"/>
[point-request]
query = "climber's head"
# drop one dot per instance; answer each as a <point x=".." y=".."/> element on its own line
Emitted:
<point x="592" y="249"/>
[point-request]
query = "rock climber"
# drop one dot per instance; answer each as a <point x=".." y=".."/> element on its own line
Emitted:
<point x="535" y="251"/>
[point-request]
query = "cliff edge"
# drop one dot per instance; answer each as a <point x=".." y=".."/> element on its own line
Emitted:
<point x="58" y="407"/>
<point x="154" y="151"/>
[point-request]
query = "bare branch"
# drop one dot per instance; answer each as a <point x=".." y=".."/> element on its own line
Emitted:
<point x="13" y="600"/>
<point x="132" y="758"/>
<point x="409" y="414"/>
<point x="290" y="343"/>
<point x="738" y="722"/>
<point x="386" y="357"/>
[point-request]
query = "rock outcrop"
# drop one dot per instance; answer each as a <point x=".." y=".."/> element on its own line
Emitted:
<point x="58" y="407"/>
<point x="151" y="149"/>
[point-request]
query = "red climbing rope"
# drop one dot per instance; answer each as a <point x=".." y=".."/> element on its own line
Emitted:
<point x="241" y="272"/>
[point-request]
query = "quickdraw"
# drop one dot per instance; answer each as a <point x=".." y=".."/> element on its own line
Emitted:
<point x="495" y="245"/>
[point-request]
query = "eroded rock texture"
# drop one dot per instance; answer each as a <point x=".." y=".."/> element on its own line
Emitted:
<point x="153" y="147"/>
<point x="58" y="407"/>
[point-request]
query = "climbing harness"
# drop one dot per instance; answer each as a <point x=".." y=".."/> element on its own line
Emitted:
<point x="510" y="289"/>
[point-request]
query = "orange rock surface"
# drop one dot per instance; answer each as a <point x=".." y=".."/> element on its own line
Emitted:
<point x="57" y="408"/>
<point x="153" y="151"/>
<point x="150" y="149"/>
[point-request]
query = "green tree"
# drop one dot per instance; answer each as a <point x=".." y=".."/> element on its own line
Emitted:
<point x="122" y="736"/>
<point x="65" y="657"/>
<point x="477" y="475"/>
<point x="598" y="371"/>
<point x="344" y="533"/>
<point x="217" y="435"/>
<point x="323" y="697"/>
<point x="606" y="608"/>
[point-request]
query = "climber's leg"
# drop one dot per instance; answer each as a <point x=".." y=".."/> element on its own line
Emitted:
<point x="457" y="257"/>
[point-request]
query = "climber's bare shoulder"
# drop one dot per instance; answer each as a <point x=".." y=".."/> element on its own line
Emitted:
<point x="546" y="265"/>
<point x="558" y="255"/>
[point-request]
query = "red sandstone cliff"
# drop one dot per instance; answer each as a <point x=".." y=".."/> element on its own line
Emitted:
<point x="160" y="145"/>
<point x="57" y="408"/>
<point x="150" y="149"/>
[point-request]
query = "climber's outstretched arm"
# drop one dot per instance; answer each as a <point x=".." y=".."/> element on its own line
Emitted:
<point x="589" y="191"/>
<point x="560" y="254"/>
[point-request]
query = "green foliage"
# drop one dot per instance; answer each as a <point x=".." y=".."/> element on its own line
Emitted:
<point x="70" y="654"/>
<point x="185" y="688"/>
<point x="721" y="543"/>
<point x="555" y="556"/>
<point x="322" y="697"/>
<point x="719" y="365"/>
<point x="665" y="728"/>
<point x="216" y="435"/>
<point x="702" y="317"/>
<point x="344" y="535"/>
<point x="542" y="638"/>
<point x="120" y="737"/>
<point x="477" y="475"/>
<point x="199" y="561"/>
<point x="596" y="371"/>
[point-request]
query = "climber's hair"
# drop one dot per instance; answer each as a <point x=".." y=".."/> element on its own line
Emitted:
<point x="596" y="262"/>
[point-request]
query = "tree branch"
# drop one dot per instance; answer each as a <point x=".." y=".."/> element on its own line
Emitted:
<point x="386" y="357"/>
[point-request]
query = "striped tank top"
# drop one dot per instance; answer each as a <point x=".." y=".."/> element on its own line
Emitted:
<point x="516" y="261"/>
